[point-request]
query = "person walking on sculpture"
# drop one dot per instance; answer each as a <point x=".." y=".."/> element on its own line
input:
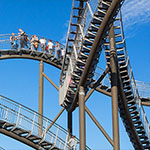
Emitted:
<point x="72" y="143"/>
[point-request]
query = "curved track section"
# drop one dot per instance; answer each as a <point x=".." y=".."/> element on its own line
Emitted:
<point x="29" y="54"/>
<point x="8" y="52"/>
<point x="86" y="58"/>
<point x="131" y="111"/>
<point x="21" y="123"/>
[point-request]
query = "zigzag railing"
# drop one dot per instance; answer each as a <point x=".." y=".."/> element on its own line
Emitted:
<point x="133" y="101"/>
<point x="16" y="117"/>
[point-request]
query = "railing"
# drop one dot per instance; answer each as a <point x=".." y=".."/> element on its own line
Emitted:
<point x="133" y="85"/>
<point x="27" y="119"/>
<point x="142" y="87"/>
<point x="98" y="72"/>
<point x="81" y="30"/>
<point x="5" y="43"/>
<point x="91" y="8"/>
<point x="65" y="84"/>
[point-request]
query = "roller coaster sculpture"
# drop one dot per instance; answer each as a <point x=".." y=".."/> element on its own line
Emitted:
<point x="95" y="26"/>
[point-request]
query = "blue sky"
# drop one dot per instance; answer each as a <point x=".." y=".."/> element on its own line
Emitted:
<point x="49" y="18"/>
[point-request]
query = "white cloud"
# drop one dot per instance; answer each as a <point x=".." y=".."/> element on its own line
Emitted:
<point x="136" y="12"/>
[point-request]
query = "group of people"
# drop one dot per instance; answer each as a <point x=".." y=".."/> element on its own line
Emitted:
<point x="34" y="43"/>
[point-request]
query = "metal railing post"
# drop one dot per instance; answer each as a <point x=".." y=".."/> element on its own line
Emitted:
<point x="18" y="115"/>
<point x="56" y="136"/>
<point x="66" y="141"/>
<point x="33" y="123"/>
<point x="6" y="114"/>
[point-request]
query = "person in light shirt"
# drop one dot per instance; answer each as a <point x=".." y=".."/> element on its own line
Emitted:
<point x="43" y="44"/>
<point x="50" y="47"/>
<point x="36" y="42"/>
<point x="62" y="53"/>
<point x="72" y="143"/>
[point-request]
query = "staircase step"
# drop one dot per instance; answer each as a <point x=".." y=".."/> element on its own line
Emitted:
<point x="79" y="8"/>
<point x="73" y="24"/>
<point x="106" y="3"/>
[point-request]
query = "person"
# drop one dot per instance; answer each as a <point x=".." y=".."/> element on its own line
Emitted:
<point x="36" y="42"/>
<point x="21" y="32"/>
<point x="26" y="39"/>
<point x="43" y="44"/>
<point x="72" y="143"/>
<point x="16" y="43"/>
<point x="32" y="42"/>
<point x="50" y="47"/>
<point x="62" y="53"/>
<point x="12" y="40"/>
<point x="57" y="50"/>
<point x="21" y="37"/>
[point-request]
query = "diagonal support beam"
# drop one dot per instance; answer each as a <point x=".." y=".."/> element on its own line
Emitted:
<point x="103" y="91"/>
<point x="145" y="103"/>
<point x="62" y="110"/>
<point x="99" y="126"/>
<point x="97" y="84"/>
<point x="50" y="81"/>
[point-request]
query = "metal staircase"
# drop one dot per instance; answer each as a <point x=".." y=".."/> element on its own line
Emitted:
<point x="71" y="73"/>
<point x="133" y="102"/>
<point x="21" y="123"/>
<point x="73" y="44"/>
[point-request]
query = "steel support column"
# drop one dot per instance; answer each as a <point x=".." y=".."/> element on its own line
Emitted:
<point x="114" y="89"/>
<point x="69" y="124"/>
<point x="82" y="118"/>
<point x="40" y="97"/>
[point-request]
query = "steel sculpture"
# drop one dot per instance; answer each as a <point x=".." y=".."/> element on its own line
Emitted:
<point x="95" y="26"/>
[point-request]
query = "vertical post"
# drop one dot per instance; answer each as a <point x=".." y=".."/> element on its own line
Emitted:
<point x="69" y="124"/>
<point x="114" y="89"/>
<point x="40" y="97"/>
<point x="82" y="118"/>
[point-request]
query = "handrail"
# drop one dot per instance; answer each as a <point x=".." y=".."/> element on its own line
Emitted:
<point x="26" y="118"/>
<point x="134" y="88"/>
<point x="5" y="43"/>
<point x="8" y="35"/>
<point x="29" y="110"/>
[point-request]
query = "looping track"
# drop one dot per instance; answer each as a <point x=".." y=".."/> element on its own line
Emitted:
<point x="29" y="54"/>
<point x="84" y="60"/>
